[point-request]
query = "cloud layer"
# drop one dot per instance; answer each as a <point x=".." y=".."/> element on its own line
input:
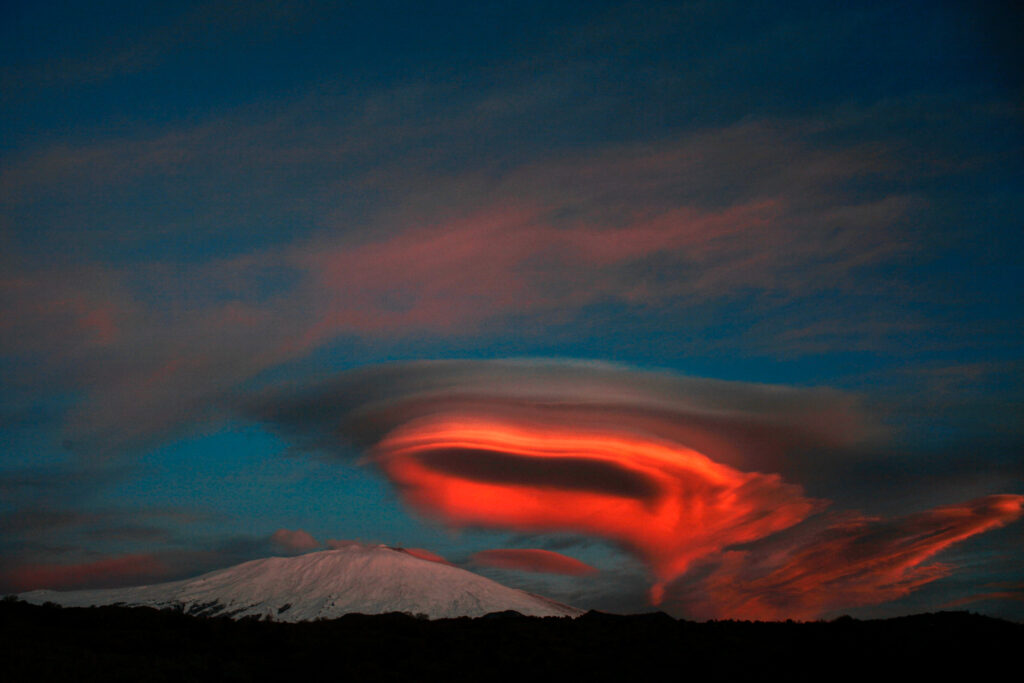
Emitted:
<point x="859" y="561"/>
<point x="675" y="470"/>
<point x="157" y="346"/>
<point x="108" y="572"/>
<point x="197" y="203"/>
<point x="580" y="447"/>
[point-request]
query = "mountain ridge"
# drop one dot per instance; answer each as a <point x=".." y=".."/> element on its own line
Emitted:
<point x="324" y="585"/>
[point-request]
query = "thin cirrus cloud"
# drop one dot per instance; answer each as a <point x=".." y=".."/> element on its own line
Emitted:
<point x="158" y="346"/>
<point x="533" y="560"/>
<point x="444" y="280"/>
<point x="504" y="260"/>
<point x="857" y="561"/>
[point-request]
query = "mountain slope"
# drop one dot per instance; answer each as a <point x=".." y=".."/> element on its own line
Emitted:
<point x="326" y="584"/>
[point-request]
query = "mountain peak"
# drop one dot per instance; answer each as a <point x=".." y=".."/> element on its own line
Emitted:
<point x="327" y="584"/>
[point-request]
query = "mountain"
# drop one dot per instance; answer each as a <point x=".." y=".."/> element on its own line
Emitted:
<point x="326" y="584"/>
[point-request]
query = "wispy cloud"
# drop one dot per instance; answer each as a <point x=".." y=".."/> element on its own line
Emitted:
<point x="104" y="573"/>
<point x="533" y="560"/>
<point x="716" y="216"/>
<point x="858" y="561"/>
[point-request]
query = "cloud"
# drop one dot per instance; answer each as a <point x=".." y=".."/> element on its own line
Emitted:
<point x="676" y="470"/>
<point x="456" y="273"/>
<point x="589" y="448"/>
<point x="858" y="561"/>
<point x="106" y="573"/>
<point x="739" y="423"/>
<point x="424" y="554"/>
<point x="156" y="347"/>
<point x="44" y="531"/>
<point x="533" y="560"/>
<point x="666" y="502"/>
<point x="294" y="541"/>
<point x="1017" y="596"/>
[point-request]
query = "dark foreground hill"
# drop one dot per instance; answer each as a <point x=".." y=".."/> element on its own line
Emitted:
<point x="117" y="643"/>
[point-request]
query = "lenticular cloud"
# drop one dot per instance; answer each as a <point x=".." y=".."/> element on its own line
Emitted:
<point x="650" y="461"/>
<point x="668" y="503"/>
<point x="681" y="472"/>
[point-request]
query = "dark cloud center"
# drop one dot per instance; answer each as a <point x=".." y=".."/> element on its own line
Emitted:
<point x="574" y="474"/>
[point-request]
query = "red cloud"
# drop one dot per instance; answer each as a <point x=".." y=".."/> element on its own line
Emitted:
<point x="665" y="466"/>
<point x="862" y="561"/>
<point x="533" y="560"/>
<point x="543" y="241"/>
<point x="451" y="276"/>
<point x="109" y="572"/>
<point x="671" y="468"/>
<point x="670" y="504"/>
<point x="982" y="597"/>
<point x="296" y="541"/>
<point x="426" y="555"/>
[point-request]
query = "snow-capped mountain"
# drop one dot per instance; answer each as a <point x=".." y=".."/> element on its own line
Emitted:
<point x="328" y="584"/>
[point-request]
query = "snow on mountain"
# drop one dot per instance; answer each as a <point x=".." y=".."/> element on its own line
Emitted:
<point x="326" y="584"/>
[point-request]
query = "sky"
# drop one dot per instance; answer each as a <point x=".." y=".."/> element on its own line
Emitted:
<point x="694" y="306"/>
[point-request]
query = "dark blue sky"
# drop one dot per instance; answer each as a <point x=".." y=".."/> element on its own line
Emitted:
<point x="208" y="210"/>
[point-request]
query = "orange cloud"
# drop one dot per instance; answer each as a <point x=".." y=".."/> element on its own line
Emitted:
<point x="508" y="258"/>
<point x="109" y="572"/>
<point x="426" y="555"/>
<point x="678" y="471"/>
<point x="670" y="504"/>
<point x="533" y="560"/>
<point x="862" y="561"/>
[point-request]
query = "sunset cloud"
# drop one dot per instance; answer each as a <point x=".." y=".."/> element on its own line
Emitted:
<point x="449" y="266"/>
<point x="222" y="285"/>
<point x="668" y="503"/>
<point x="584" y="448"/>
<point x="859" y="561"/>
<point x="738" y="423"/>
<point x="105" y="573"/>
<point x="533" y="560"/>
<point x="676" y="470"/>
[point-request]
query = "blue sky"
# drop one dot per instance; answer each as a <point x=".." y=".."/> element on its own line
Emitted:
<point x="210" y="212"/>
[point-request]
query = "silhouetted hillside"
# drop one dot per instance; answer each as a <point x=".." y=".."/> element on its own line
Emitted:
<point x="116" y="643"/>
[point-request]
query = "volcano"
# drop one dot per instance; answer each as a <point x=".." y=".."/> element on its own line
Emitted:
<point x="326" y="584"/>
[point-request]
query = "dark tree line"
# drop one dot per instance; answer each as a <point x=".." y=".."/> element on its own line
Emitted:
<point x="116" y="643"/>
